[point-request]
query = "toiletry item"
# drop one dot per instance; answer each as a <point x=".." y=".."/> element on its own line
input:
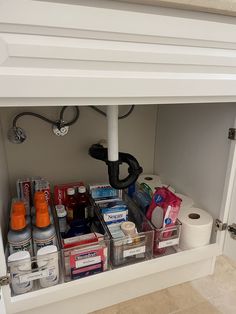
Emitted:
<point x="19" y="264"/>
<point x="142" y="199"/>
<point x="38" y="197"/>
<point x="23" y="187"/>
<point x="71" y="204"/>
<point x="104" y="191"/>
<point x="196" y="228"/>
<point x="116" y="231"/>
<point x="61" y="215"/>
<point x="19" y="236"/>
<point x="19" y="207"/>
<point x="186" y="203"/>
<point x="151" y="181"/>
<point x="88" y="261"/>
<point x="163" y="212"/>
<point x="113" y="211"/>
<point x="44" y="232"/>
<point x="47" y="260"/>
<point x="38" y="206"/>
<point x="60" y="191"/>
<point x="128" y="227"/>
<point x="44" y="186"/>
<point x="77" y="228"/>
<point x="82" y="204"/>
<point x="159" y="211"/>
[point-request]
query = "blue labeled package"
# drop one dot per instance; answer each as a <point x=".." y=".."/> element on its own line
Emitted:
<point x="103" y="192"/>
<point x="114" y="212"/>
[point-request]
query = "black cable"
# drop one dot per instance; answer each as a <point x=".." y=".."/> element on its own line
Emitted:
<point x="59" y="123"/>
<point x="120" y="117"/>
<point x="28" y="113"/>
<point x="74" y="119"/>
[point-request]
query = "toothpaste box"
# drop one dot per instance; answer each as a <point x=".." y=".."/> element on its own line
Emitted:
<point x="25" y="190"/>
<point x="44" y="186"/>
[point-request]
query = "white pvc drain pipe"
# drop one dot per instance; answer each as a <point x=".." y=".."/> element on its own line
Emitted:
<point x="112" y="133"/>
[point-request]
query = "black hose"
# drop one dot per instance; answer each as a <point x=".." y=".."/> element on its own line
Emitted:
<point x="97" y="151"/>
<point x="56" y="123"/>
<point x="120" y="117"/>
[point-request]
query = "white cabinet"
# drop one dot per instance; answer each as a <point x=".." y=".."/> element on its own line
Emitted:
<point x="52" y="53"/>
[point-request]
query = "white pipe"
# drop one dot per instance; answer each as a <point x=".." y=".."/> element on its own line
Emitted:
<point x="112" y="133"/>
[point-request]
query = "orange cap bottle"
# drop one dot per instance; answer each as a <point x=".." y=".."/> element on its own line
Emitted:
<point x="39" y="196"/>
<point x="18" y="221"/>
<point x="42" y="215"/>
<point x="19" y="207"/>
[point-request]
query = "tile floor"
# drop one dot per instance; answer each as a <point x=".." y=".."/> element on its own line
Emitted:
<point x="208" y="295"/>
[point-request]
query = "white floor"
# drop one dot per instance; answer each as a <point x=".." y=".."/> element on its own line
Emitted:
<point x="209" y="295"/>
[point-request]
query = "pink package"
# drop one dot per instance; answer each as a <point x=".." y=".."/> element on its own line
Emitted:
<point x="163" y="212"/>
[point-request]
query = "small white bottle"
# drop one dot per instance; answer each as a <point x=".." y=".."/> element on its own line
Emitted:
<point x="47" y="260"/>
<point x="20" y="264"/>
<point x="61" y="214"/>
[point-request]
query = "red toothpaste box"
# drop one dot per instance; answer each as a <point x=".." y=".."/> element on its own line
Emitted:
<point x="60" y="191"/>
<point x="44" y="186"/>
<point x="23" y="187"/>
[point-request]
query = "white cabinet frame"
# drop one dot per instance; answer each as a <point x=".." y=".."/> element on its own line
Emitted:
<point x="102" y="55"/>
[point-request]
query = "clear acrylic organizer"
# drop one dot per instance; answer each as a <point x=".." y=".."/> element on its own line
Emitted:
<point x="35" y="273"/>
<point x="128" y="250"/>
<point x="166" y="240"/>
<point x="86" y="255"/>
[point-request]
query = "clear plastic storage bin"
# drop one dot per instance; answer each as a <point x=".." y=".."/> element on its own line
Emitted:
<point x="87" y="254"/>
<point x="30" y="274"/>
<point x="128" y="250"/>
<point x="166" y="240"/>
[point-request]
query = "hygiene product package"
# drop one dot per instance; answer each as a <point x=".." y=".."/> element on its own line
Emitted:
<point x="163" y="213"/>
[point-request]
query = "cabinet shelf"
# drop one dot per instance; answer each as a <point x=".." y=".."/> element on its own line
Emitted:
<point x="112" y="278"/>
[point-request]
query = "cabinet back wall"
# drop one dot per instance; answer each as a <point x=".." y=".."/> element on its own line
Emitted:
<point x="63" y="159"/>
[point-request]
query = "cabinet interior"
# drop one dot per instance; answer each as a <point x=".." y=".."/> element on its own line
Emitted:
<point x="186" y="144"/>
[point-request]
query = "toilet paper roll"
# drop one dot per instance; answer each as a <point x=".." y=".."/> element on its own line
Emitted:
<point x="196" y="228"/>
<point x="152" y="181"/>
<point x="186" y="203"/>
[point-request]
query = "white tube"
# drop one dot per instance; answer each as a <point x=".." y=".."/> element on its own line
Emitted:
<point x="112" y="133"/>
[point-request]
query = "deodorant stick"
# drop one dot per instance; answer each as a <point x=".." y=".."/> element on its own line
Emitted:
<point x="20" y="264"/>
<point x="47" y="259"/>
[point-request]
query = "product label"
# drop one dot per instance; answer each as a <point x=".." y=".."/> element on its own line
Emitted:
<point x="21" y="246"/>
<point x="134" y="251"/>
<point x="18" y="286"/>
<point x="38" y="244"/>
<point x="70" y="213"/>
<point x="62" y="224"/>
<point x="52" y="277"/>
<point x="168" y="243"/>
<point x="86" y="271"/>
<point x="88" y="261"/>
<point x="115" y="217"/>
<point x="89" y="236"/>
<point x="34" y="276"/>
<point x="103" y="192"/>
